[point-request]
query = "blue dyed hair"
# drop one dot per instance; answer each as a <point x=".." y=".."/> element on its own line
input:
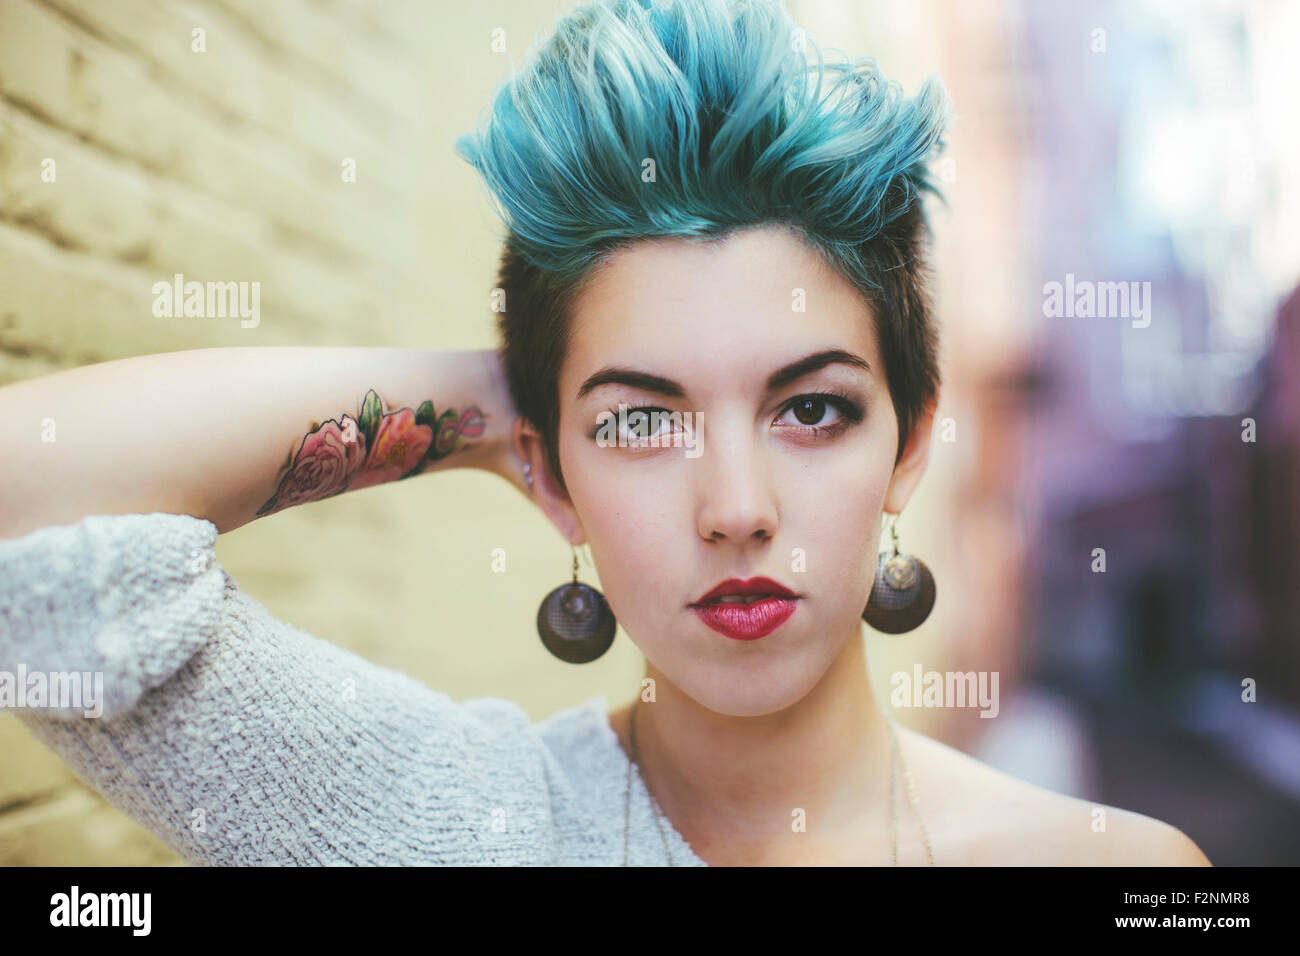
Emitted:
<point x="743" y="129"/>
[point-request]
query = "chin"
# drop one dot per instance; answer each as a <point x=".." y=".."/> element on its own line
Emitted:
<point x="741" y="689"/>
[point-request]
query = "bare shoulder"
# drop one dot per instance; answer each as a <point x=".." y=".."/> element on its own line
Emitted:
<point x="981" y="816"/>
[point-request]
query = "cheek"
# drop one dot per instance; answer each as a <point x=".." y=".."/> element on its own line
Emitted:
<point x="631" y="527"/>
<point x="837" y="524"/>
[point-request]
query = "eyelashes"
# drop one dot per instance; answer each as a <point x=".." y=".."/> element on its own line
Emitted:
<point x="851" y="413"/>
<point x="810" y="404"/>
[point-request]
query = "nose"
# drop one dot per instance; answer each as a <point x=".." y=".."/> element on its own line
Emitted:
<point x="736" y="498"/>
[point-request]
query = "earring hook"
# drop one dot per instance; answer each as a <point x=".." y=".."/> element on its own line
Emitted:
<point x="890" y="521"/>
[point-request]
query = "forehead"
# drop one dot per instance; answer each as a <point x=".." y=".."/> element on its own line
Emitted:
<point x="714" y="314"/>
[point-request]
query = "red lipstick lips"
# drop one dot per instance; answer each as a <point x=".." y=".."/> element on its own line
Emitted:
<point x="769" y="606"/>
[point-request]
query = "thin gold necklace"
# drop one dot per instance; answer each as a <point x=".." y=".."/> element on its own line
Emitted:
<point x="897" y="759"/>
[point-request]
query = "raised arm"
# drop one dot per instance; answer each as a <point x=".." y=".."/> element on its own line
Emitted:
<point x="235" y="736"/>
<point x="232" y="434"/>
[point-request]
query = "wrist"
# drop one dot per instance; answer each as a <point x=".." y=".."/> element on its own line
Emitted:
<point x="496" y="453"/>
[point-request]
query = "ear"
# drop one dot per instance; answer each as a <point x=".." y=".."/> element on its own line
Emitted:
<point x="910" y="468"/>
<point x="546" y="492"/>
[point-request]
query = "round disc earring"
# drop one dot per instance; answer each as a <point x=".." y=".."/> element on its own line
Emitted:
<point x="575" y="621"/>
<point x="903" y="593"/>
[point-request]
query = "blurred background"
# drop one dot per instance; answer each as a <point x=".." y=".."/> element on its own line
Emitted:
<point x="1137" y="143"/>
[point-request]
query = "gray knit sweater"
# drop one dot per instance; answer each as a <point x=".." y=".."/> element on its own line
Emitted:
<point x="241" y="739"/>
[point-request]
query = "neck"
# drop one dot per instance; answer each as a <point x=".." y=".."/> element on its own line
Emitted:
<point x="731" y="785"/>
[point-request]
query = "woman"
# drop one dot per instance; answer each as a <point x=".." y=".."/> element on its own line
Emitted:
<point x="718" y="370"/>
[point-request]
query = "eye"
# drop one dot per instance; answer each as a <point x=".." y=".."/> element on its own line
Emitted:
<point x="639" y="424"/>
<point x="810" y="411"/>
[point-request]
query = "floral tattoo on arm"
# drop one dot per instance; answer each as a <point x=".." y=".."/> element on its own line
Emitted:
<point x="375" y="447"/>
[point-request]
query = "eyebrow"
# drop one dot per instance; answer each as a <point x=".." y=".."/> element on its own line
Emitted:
<point x="786" y="375"/>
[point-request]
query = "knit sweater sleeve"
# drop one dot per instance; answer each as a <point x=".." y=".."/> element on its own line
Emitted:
<point x="239" y="738"/>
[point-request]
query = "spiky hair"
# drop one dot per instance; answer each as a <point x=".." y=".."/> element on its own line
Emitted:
<point x="638" y="120"/>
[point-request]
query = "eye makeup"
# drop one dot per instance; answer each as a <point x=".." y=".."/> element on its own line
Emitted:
<point x="850" y="409"/>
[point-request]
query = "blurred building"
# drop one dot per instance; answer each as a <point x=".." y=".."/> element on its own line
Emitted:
<point x="1167" y="442"/>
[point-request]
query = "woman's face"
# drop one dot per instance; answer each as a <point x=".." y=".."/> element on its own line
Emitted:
<point x="772" y="487"/>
